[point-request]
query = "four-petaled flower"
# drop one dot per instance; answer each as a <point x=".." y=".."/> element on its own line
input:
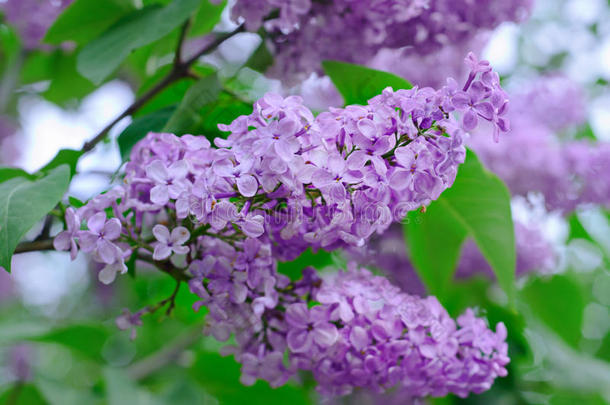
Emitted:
<point x="169" y="181"/>
<point x="168" y="243"/>
<point x="99" y="238"/>
<point x="309" y="326"/>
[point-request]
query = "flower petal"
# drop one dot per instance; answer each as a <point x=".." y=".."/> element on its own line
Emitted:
<point x="157" y="172"/>
<point x="161" y="233"/>
<point x="179" y="235"/>
<point x="162" y="252"/>
<point x="299" y="340"/>
<point x="96" y="222"/>
<point x="325" y="334"/>
<point x="247" y="185"/>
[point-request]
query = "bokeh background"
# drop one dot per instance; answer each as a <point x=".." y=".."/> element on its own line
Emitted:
<point x="58" y="339"/>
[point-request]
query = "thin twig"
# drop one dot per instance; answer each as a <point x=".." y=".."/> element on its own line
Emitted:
<point x="37" y="245"/>
<point x="45" y="233"/>
<point x="183" y="31"/>
<point x="171" y="300"/>
<point x="166" y="267"/>
<point x="167" y="355"/>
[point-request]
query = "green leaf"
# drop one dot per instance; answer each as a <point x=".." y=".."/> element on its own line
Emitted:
<point x="59" y="68"/>
<point x="84" y="20"/>
<point x="357" y="84"/>
<point x="102" y="56"/>
<point x="425" y="234"/>
<point x="206" y="17"/>
<point x="75" y="202"/>
<point x="318" y="260"/>
<point x="7" y="173"/>
<point x="84" y="339"/>
<point x="261" y="59"/>
<point x="223" y="111"/>
<point x="121" y="390"/>
<point x="64" y="157"/>
<point x="586" y="132"/>
<point x="26" y="394"/>
<point x="220" y="377"/>
<point x="187" y="117"/>
<point x="559" y="303"/>
<point x="63" y="392"/>
<point x="577" y="230"/>
<point x="140" y="127"/>
<point x="23" y="203"/>
<point x="478" y="206"/>
<point x="9" y="48"/>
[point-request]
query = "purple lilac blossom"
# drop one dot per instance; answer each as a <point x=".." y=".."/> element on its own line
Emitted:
<point x="362" y="333"/>
<point x="32" y="18"/>
<point x="535" y="157"/>
<point x="430" y="69"/>
<point x="295" y="180"/>
<point x="284" y="181"/>
<point x="307" y="32"/>
<point x="169" y="243"/>
<point x="130" y="321"/>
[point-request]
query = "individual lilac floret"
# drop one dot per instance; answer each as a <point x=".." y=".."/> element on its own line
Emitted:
<point x="309" y="327"/>
<point x="170" y="243"/>
<point x="129" y="321"/>
<point x="100" y="236"/>
<point x="66" y="240"/>
<point x="169" y="181"/>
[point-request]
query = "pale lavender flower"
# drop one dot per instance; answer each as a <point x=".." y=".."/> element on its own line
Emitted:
<point x="129" y="321"/>
<point x="308" y="327"/>
<point x="170" y="243"/>
<point x="100" y="237"/>
<point x="169" y="181"/>
<point x="66" y="240"/>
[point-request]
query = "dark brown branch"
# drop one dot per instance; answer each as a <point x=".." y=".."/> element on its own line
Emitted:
<point x="37" y="245"/>
<point x="179" y="71"/>
<point x="183" y="31"/>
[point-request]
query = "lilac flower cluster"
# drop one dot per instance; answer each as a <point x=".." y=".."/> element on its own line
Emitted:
<point x="286" y="177"/>
<point x="284" y="181"/>
<point x="32" y="18"/>
<point x="429" y="69"/>
<point x="535" y="158"/>
<point x="363" y="332"/>
<point x="302" y="32"/>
